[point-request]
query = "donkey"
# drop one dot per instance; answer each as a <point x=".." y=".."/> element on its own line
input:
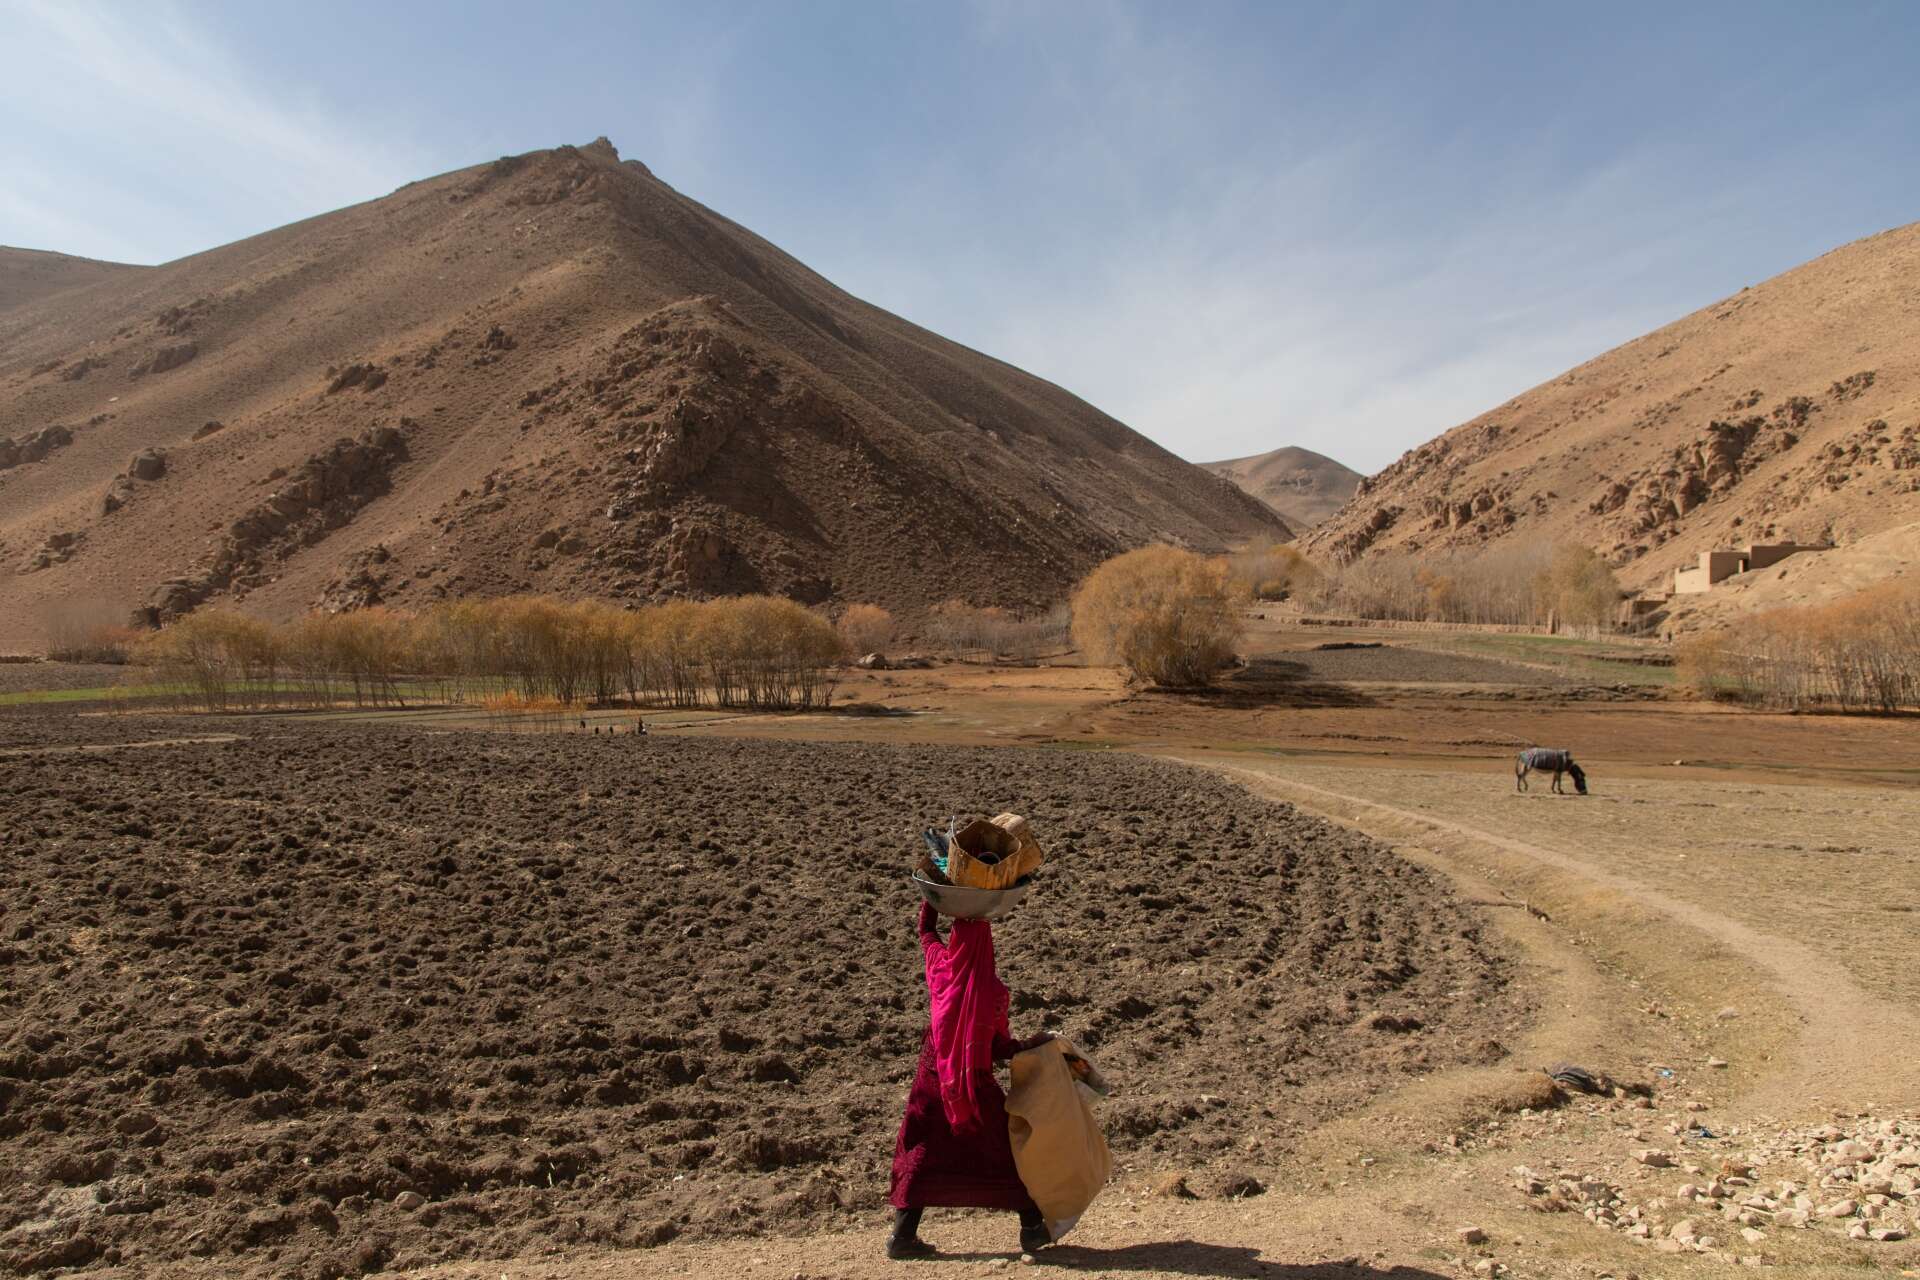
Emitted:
<point x="1544" y="758"/>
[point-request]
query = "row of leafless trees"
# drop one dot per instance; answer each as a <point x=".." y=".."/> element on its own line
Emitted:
<point x="1564" y="584"/>
<point x="992" y="632"/>
<point x="748" y="651"/>
<point x="1857" y="654"/>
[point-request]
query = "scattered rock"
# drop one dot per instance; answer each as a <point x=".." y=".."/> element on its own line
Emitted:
<point x="1174" y="1187"/>
<point x="1390" y="1023"/>
<point x="162" y="359"/>
<point x="116" y="496"/>
<point x="873" y="662"/>
<point x="367" y="377"/>
<point x="1654" y="1159"/>
<point x="1472" y="1235"/>
<point x="1716" y="1062"/>
<point x="1238" y="1185"/>
<point x="33" y="446"/>
<point x="408" y="1201"/>
<point x="57" y="549"/>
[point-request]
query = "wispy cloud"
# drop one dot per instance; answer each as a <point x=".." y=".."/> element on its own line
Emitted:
<point x="147" y="108"/>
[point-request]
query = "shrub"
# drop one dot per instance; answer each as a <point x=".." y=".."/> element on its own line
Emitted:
<point x="1167" y="615"/>
<point x="1268" y="570"/>
<point x="866" y="628"/>
<point x="89" y="631"/>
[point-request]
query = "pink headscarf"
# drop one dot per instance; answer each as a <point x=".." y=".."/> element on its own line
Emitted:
<point x="969" y="1010"/>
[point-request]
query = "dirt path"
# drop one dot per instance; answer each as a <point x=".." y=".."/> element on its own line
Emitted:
<point x="1846" y="1036"/>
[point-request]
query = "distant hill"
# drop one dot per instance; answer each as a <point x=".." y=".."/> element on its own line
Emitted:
<point x="28" y="275"/>
<point x="551" y="372"/>
<point x="1303" y="486"/>
<point x="1787" y="412"/>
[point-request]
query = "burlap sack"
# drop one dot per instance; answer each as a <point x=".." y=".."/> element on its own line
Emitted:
<point x="1057" y="1145"/>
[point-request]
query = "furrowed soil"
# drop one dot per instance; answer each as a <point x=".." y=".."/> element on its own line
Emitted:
<point x="593" y="991"/>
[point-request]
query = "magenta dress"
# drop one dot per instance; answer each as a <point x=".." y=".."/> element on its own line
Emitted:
<point x="933" y="1165"/>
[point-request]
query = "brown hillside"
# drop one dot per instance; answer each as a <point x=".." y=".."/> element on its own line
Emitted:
<point x="1303" y="486"/>
<point x="551" y="372"/>
<point x="28" y="275"/>
<point x="1790" y="411"/>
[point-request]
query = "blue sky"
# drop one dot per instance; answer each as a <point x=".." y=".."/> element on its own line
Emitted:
<point x="1344" y="226"/>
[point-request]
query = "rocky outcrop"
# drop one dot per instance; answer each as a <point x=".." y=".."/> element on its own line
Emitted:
<point x="33" y="447"/>
<point x="367" y="377"/>
<point x="1650" y="502"/>
<point x="119" y="493"/>
<point x="1351" y="546"/>
<point x="326" y="492"/>
<point x="148" y="464"/>
<point x="58" y="548"/>
<point x="163" y="359"/>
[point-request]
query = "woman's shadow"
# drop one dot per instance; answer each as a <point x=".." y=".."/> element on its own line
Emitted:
<point x="1193" y="1258"/>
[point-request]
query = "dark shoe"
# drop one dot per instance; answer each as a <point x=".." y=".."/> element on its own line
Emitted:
<point x="902" y="1249"/>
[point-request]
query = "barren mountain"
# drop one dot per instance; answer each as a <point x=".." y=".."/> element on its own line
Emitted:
<point x="1303" y="486"/>
<point x="28" y="275"/>
<point x="551" y="372"/>
<point x="1787" y="412"/>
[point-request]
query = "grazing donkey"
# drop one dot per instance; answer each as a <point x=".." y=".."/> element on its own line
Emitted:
<point x="1544" y="758"/>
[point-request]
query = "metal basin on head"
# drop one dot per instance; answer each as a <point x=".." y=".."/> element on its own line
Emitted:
<point x="963" y="903"/>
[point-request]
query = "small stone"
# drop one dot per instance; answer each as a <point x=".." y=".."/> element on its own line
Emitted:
<point x="1654" y="1159"/>
<point x="1174" y="1187"/>
<point x="1840" y="1209"/>
<point x="1683" y="1230"/>
<point x="1752" y="1236"/>
<point x="1238" y="1186"/>
<point x="1886" y="1233"/>
<point x="1472" y="1235"/>
<point x="1858" y="1231"/>
<point x="1727" y="1014"/>
<point x="1696" y="1106"/>
<point x="1716" y="1062"/>
<point x="408" y="1201"/>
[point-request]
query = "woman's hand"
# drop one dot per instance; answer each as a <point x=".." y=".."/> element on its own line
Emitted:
<point x="1034" y="1042"/>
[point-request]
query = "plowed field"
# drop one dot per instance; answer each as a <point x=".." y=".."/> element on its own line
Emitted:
<point x="581" y="989"/>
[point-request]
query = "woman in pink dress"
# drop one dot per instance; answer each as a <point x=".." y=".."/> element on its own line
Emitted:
<point x="953" y="1150"/>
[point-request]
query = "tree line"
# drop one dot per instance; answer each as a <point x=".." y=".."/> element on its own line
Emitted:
<point x="744" y="651"/>
<point x="1861" y="653"/>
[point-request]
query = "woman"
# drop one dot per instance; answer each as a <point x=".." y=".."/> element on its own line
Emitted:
<point x="953" y="1150"/>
